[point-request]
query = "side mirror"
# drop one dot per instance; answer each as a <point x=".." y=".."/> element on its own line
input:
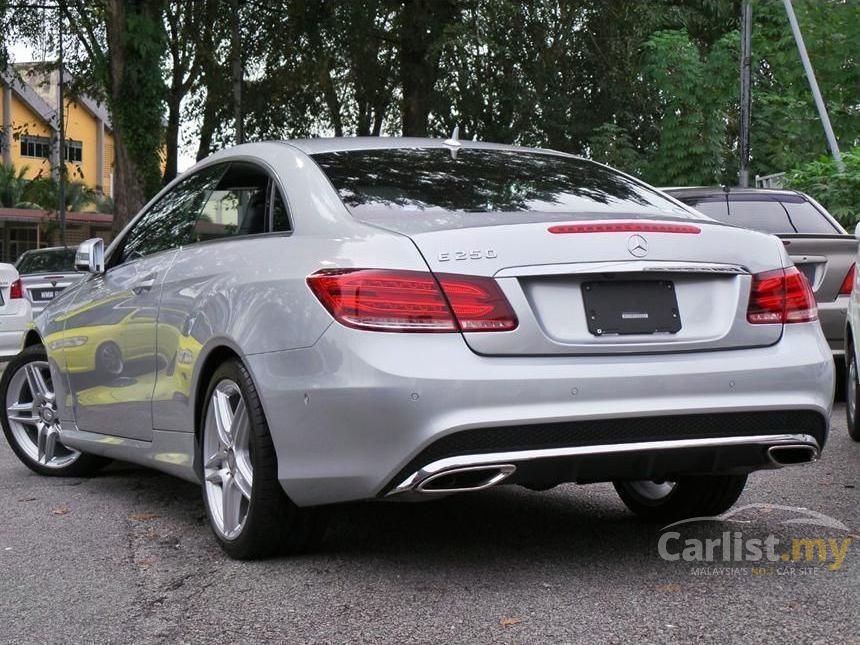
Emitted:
<point x="90" y="256"/>
<point x="857" y="231"/>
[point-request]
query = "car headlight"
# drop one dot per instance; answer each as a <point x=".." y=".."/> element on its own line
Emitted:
<point x="71" y="341"/>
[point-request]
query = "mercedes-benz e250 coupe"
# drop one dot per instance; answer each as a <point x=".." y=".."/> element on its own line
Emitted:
<point x="296" y="324"/>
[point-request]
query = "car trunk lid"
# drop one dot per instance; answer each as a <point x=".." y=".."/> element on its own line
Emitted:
<point x="824" y="260"/>
<point x="563" y="286"/>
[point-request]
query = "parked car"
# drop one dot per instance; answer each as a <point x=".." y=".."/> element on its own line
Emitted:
<point x="852" y="349"/>
<point x="382" y="318"/>
<point x="15" y="312"/>
<point x="817" y="244"/>
<point x="45" y="273"/>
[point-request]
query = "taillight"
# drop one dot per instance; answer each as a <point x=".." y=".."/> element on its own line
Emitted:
<point x="412" y="301"/>
<point x="781" y="296"/>
<point x="848" y="282"/>
<point x="624" y="227"/>
<point x="16" y="290"/>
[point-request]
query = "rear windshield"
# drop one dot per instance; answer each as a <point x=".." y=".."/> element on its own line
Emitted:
<point x="48" y="261"/>
<point x="424" y="180"/>
<point x="779" y="215"/>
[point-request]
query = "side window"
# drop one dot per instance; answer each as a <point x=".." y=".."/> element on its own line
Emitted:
<point x="245" y="202"/>
<point x="170" y="221"/>
<point x="237" y="206"/>
<point x="280" y="213"/>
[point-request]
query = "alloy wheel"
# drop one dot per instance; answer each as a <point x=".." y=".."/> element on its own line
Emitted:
<point x="32" y="413"/>
<point x="227" y="467"/>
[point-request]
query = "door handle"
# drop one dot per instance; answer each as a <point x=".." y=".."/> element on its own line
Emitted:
<point x="144" y="285"/>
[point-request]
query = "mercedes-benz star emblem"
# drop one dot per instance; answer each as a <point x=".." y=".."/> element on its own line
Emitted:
<point x="638" y="246"/>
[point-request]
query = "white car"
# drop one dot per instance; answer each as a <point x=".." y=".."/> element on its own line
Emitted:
<point x="15" y="311"/>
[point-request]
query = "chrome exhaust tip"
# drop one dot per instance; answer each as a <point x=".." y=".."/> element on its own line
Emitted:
<point x="791" y="455"/>
<point x="460" y="480"/>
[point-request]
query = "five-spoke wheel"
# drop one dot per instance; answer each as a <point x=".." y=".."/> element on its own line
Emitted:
<point x="228" y="471"/>
<point x="31" y="421"/>
<point x="250" y="514"/>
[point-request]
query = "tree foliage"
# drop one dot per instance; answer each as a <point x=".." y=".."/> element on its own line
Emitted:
<point x="838" y="192"/>
<point x="650" y="87"/>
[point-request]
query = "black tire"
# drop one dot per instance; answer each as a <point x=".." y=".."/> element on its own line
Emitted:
<point x="109" y="359"/>
<point x="852" y="395"/>
<point x="698" y="496"/>
<point x="273" y="524"/>
<point x="840" y="392"/>
<point x="83" y="465"/>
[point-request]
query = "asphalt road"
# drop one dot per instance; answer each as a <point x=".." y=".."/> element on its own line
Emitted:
<point x="127" y="557"/>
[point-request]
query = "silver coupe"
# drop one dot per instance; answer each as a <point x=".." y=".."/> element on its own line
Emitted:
<point x="296" y="324"/>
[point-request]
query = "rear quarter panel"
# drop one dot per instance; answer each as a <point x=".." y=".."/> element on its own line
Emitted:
<point x="250" y="295"/>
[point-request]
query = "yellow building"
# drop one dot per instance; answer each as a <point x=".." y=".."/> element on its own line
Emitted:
<point x="29" y="139"/>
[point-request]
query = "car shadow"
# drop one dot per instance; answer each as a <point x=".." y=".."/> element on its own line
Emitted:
<point x="499" y="524"/>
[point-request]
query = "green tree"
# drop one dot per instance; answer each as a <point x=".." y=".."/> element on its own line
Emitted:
<point x="838" y="192"/>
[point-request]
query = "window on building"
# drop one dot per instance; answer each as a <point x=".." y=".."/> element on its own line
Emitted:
<point x="36" y="147"/>
<point x="21" y="239"/>
<point x="74" y="151"/>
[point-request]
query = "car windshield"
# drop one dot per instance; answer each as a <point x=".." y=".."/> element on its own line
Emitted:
<point x="47" y="261"/>
<point x="423" y="180"/>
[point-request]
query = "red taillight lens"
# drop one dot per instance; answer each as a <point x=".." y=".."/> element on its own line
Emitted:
<point x="16" y="290"/>
<point x="781" y="296"/>
<point x="848" y="282"/>
<point x="412" y="301"/>
<point x="624" y="227"/>
<point x="478" y="303"/>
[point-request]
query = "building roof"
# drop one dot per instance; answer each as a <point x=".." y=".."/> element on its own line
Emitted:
<point x="36" y="215"/>
<point x="29" y="96"/>
<point x="25" y="91"/>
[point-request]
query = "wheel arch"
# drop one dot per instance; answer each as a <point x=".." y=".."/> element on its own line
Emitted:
<point x="217" y="354"/>
<point x="31" y="337"/>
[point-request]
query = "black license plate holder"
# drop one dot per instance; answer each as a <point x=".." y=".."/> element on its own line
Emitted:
<point x="619" y="307"/>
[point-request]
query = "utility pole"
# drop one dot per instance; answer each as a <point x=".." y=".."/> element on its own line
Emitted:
<point x="746" y="96"/>
<point x="61" y="112"/>
<point x="813" y="85"/>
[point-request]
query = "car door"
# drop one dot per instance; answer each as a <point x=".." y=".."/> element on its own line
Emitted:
<point x="112" y="368"/>
<point x="199" y="296"/>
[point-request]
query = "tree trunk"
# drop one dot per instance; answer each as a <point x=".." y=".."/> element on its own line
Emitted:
<point x="331" y="99"/>
<point x="236" y="57"/>
<point x="134" y="101"/>
<point x="171" y="157"/>
<point x="207" y="127"/>
<point x="423" y="24"/>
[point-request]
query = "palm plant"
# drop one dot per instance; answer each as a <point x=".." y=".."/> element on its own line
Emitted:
<point x="13" y="186"/>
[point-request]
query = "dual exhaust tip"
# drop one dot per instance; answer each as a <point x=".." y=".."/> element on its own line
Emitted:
<point x="792" y="454"/>
<point x="469" y="478"/>
<point x="473" y="478"/>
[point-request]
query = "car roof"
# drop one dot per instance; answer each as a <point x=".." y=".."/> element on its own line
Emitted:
<point x="51" y="248"/>
<point x="711" y="191"/>
<point x="344" y="144"/>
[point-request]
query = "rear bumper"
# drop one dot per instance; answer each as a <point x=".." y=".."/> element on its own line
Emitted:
<point x="832" y="316"/>
<point x="351" y="416"/>
<point x="12" y="328"/>
<point x="650" y="460"/>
